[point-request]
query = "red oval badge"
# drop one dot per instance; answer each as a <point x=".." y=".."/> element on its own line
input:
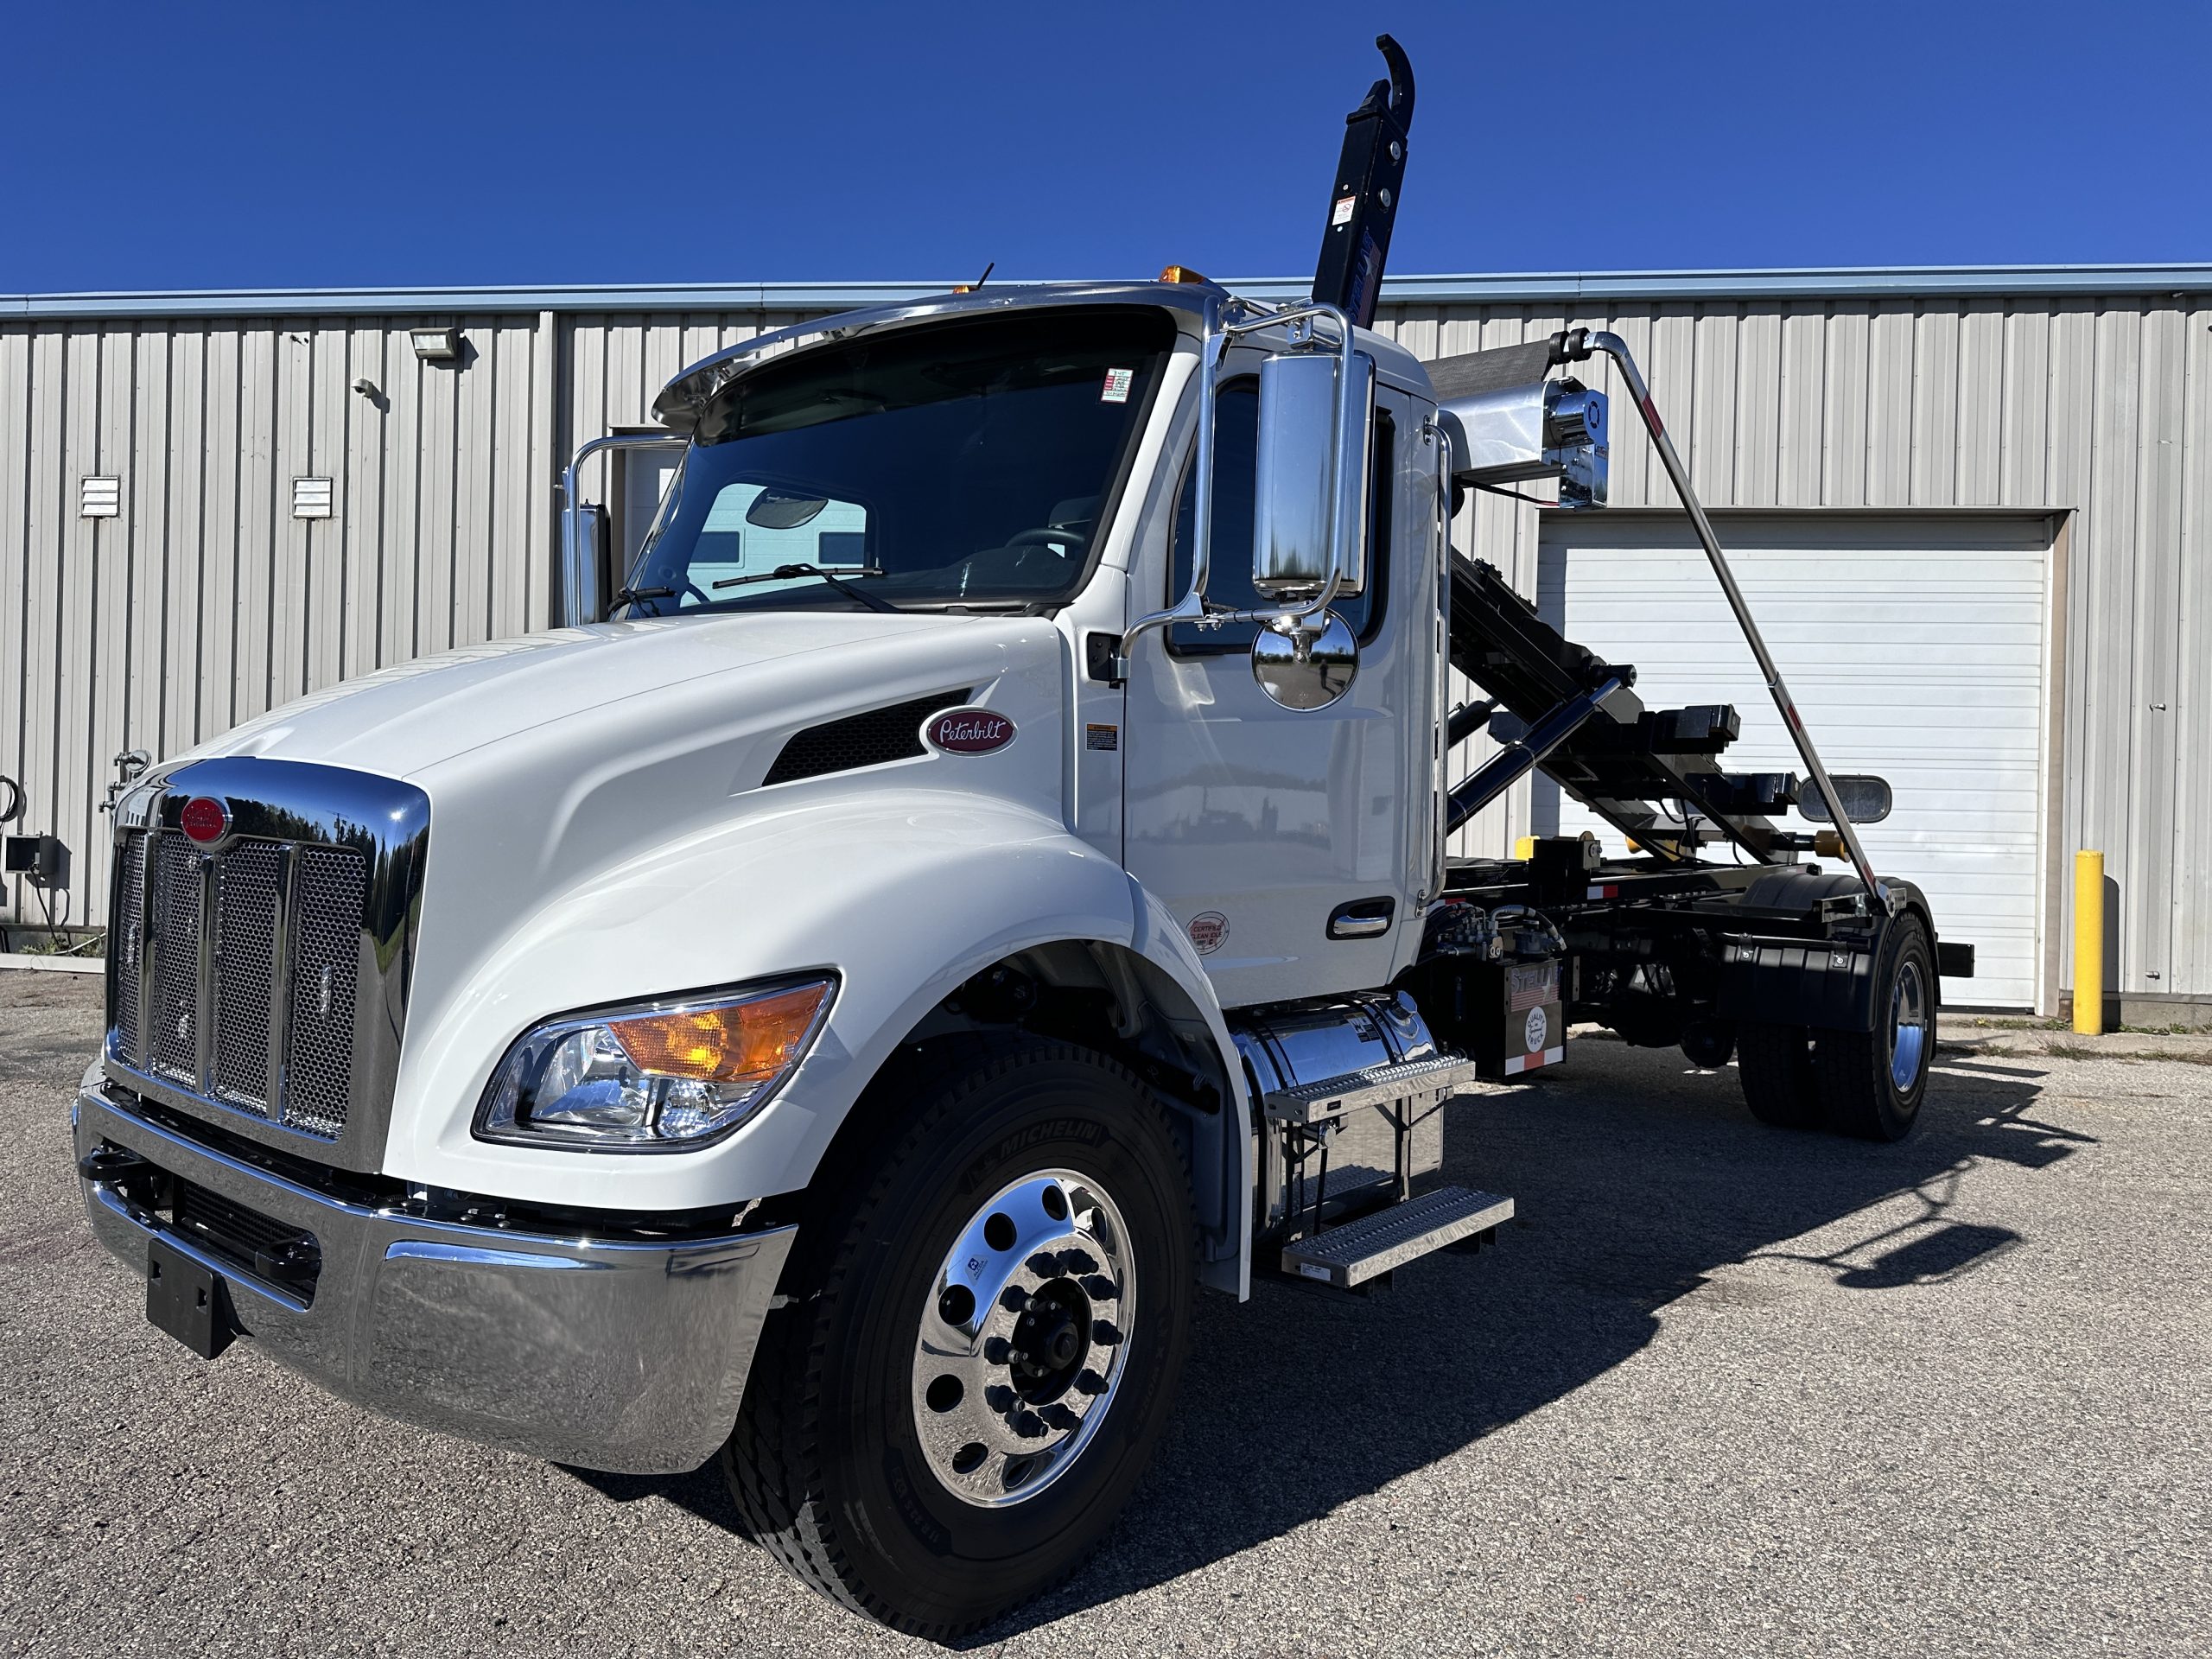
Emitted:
<point x="968" y="731"/>
<point x="206" y="819"/>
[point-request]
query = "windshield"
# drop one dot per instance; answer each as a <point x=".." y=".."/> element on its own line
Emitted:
<point x="958" y="463"/>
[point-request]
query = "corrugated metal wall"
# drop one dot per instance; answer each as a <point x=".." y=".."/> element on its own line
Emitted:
<point x="205" y="601"/>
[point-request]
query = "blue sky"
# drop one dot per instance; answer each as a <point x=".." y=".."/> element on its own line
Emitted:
<point x="201" y="145"/>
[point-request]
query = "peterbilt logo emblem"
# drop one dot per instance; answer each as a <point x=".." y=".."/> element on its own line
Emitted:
<point x="206" y="819"/>
<point x="968" y="731"/>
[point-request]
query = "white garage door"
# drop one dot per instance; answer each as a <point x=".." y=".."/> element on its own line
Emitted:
<point x="1914" y="645"/>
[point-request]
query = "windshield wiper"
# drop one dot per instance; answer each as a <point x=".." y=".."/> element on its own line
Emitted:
<point x="785" y="572"/>
<point x="632" y="595"/>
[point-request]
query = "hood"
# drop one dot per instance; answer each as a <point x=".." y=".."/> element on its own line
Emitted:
<point x="404" y="720"/>
<point x="560" y="761"/>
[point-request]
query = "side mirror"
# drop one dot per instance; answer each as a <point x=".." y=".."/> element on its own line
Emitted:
<point x="1866" y="798"/>
<point x="1310" y="511"/>
<point x="1304" y="668"/>
<point x="583" y="562"/>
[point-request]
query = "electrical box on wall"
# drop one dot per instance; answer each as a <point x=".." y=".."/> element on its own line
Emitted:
<point x="40" y="859"/>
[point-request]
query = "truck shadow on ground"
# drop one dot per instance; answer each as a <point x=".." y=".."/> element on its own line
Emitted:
<point x="1636" y="1179"/>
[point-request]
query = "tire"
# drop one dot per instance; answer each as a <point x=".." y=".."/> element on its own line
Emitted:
<point x="1871" y="1083"/>
<point x="1775" y="1065"/>
<point x="846" y="1459"/>
<point x="1707" y="1044"/>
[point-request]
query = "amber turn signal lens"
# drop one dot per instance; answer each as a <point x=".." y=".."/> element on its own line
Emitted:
<point x="744" y="1042"/>
<point x="1180" y="274"/>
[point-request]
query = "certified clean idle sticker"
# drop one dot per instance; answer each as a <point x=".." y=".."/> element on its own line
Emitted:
<point x="968" y="731"/>
<point x="1118" y="382"/>
<point x="1207" y="930"/>
<point x="1538" y="1029"/>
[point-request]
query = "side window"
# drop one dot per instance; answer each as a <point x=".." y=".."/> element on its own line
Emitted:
<point x="1228" y="575"/>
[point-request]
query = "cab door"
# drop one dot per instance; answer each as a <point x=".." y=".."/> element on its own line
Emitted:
<point x="1292" y="846"/>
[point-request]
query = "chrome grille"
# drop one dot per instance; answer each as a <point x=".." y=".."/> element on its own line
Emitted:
<point x="129" y="931"/>
<point x="325" y="967"/>
<point x="246" y="878"/>
<point x="261" y="980"/>
<point x="173" y="1046"/>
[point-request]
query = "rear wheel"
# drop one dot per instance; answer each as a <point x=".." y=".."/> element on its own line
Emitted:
<point x="1872" y="1082"/>
<point x="1775" y="1065"/>
<point x="986" y="1316"/>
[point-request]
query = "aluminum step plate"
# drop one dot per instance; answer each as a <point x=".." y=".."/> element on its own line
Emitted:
<point x="1349" y="1255"/>
<point x="1423" y="1083"/>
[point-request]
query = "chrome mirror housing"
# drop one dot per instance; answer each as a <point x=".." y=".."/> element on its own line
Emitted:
<point x="1316" y="411"/>
<point x="1302" y="667"/>
<point x="583" y="560"/>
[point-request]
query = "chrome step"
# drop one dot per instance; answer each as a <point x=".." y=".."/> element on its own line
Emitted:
<point x="1422" y="1083"/>
<point x="1349" y="1255"/>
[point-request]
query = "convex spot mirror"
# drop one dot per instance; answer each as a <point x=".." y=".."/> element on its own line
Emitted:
<point x="784" y="509"/>
<point x="1866" y="798"/>
<point x="1306" y="668"/>
<point x="1310" y="509"/>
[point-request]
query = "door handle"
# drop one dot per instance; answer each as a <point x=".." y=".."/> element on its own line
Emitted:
<point x="1362" y="918"/>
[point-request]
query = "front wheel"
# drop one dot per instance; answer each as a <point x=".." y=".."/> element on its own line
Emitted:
<point x="986" y="1318"/>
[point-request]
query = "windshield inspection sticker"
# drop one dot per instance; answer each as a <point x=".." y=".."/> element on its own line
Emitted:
<point x="1117" y="385"/>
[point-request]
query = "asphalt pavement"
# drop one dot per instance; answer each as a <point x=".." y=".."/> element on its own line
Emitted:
<point x="1721" y="1389"/>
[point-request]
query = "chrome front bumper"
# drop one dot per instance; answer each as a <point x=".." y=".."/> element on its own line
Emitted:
<point x="623" y="1356"/>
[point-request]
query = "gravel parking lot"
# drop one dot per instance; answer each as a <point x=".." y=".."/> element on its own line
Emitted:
<point x="1722" y="1389"/>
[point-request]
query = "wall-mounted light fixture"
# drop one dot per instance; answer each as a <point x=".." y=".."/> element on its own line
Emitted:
<point x="367" y="388"/>
<point x="435" y="345"/>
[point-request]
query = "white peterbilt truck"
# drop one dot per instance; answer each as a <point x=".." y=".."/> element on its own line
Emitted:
<point x="980" y="879"/>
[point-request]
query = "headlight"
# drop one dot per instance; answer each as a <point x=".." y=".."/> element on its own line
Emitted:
<point x="659" y="1077"/>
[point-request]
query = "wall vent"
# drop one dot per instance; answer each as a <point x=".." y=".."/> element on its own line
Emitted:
<point x="311" y="498"/>
<point x="874" y="738"/>
<point x="101" y="498"/>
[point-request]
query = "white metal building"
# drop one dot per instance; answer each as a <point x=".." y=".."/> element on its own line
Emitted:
<point x="1971" y="507"/>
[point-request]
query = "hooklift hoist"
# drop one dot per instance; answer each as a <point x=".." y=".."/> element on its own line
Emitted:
<point x="1776" y="962"/>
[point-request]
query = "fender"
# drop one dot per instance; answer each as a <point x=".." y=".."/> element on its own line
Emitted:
<point x="903" y="894"/>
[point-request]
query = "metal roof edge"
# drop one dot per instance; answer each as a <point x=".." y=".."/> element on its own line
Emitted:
<point x="1581" y="287"/>
<point x="440" y="302"/>
<point x="1562" y="288"/>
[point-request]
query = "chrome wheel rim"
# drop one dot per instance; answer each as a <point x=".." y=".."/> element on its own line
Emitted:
<point x="1024" y="1338"/>
<point x="1908" y="1025"/>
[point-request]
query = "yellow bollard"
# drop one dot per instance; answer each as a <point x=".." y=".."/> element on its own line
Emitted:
<point x="2090" y="944"/>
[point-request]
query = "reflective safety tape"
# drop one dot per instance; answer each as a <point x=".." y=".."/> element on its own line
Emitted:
<point x="1530" y="1062"/>
<point x="1606" y="892"/>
